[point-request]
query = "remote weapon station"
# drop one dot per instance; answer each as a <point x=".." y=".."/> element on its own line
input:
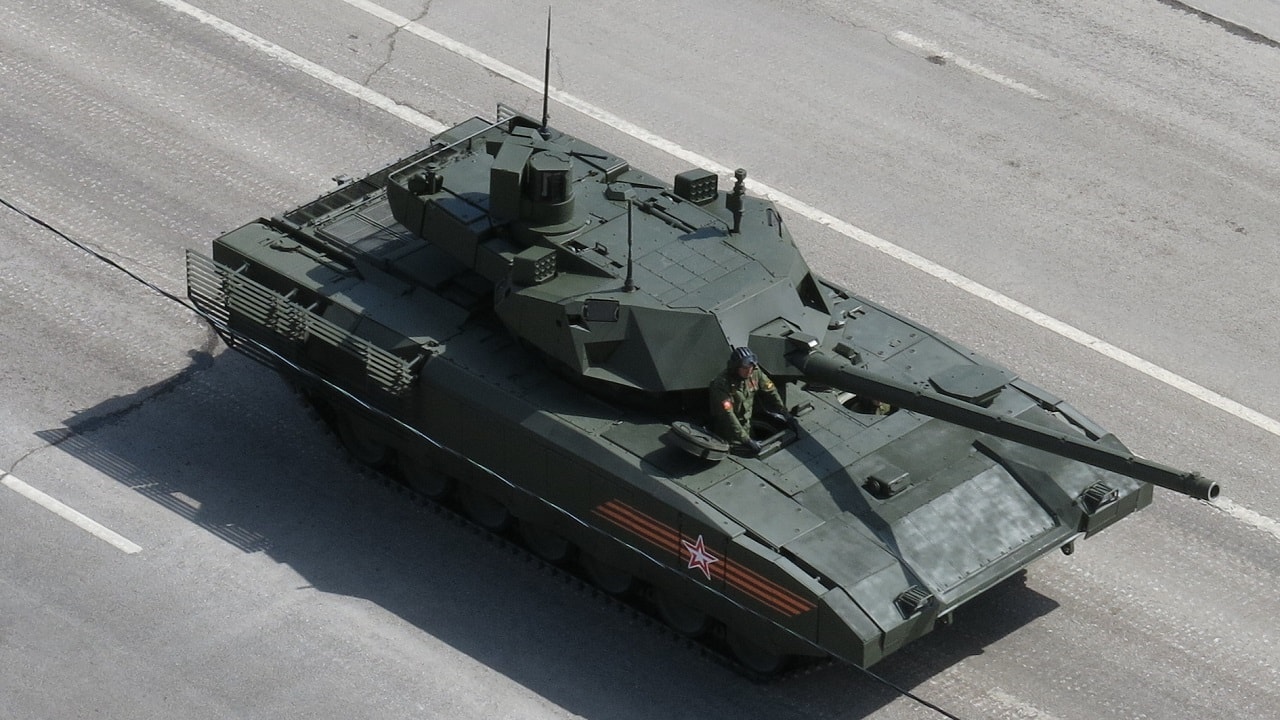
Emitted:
<point x="527" y="325"/>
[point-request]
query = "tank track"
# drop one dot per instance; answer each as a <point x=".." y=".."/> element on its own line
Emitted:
<point x="637" y="606"/>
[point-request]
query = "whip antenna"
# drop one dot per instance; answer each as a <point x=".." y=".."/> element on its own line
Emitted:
<point x="546" y="74"/>
<point x="630" y="284"/>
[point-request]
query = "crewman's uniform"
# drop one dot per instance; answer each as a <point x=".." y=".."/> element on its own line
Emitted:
<point x="733" y="399"/>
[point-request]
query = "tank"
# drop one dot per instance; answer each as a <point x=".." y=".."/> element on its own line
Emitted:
<point x="523" y="324"/>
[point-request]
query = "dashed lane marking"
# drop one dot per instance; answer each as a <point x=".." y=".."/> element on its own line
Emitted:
<point x="1247" y="516"/>
<point x="77" y="518"/>
<point x="964" y="64"/>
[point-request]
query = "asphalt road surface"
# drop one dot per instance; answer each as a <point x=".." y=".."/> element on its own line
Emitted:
<point x="1086" y="192"/>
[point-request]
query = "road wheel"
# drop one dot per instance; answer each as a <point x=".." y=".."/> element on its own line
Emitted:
<point x="546" y="544"/>
<point x="755" y="656"/>
<point x="358" y="437"/>
<point x="607" y="577"/>
<point x="424" y="477"/>
<point x="488" y="512"/>
<point x="682" y="617"/>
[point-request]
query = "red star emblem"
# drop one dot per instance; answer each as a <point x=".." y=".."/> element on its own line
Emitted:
<point x="699" y="556"/>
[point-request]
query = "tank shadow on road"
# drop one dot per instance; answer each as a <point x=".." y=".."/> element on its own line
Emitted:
<point x="234" y="452"/>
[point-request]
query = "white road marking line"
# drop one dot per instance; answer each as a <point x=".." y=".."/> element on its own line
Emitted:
<point x="1015" y="706"/>
<point x="323" y="74"/>
<point x="963" y="64"/>
<point x="1247" y="516"/>
<point x="803" y="209"/>
<point x="77" y="518"/>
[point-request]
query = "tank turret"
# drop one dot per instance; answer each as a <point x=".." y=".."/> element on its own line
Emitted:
<point x="609" y="272"/>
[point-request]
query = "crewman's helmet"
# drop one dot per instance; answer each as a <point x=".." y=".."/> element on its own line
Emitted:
<point x="742" y="357"/>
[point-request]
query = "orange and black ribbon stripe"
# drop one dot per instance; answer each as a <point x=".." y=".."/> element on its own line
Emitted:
<point x="669" y="539"/>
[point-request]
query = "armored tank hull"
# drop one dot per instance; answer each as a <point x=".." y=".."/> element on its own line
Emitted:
<point x="522" y="322"/>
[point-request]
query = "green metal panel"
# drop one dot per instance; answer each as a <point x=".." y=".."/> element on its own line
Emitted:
<point x="756" y="504"/>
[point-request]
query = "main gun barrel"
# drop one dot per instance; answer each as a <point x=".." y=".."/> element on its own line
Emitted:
<point x="841" y="374"/>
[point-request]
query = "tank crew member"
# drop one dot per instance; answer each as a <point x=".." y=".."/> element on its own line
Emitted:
<point x="870" y="406"/>
<point x="733" y="395"/>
